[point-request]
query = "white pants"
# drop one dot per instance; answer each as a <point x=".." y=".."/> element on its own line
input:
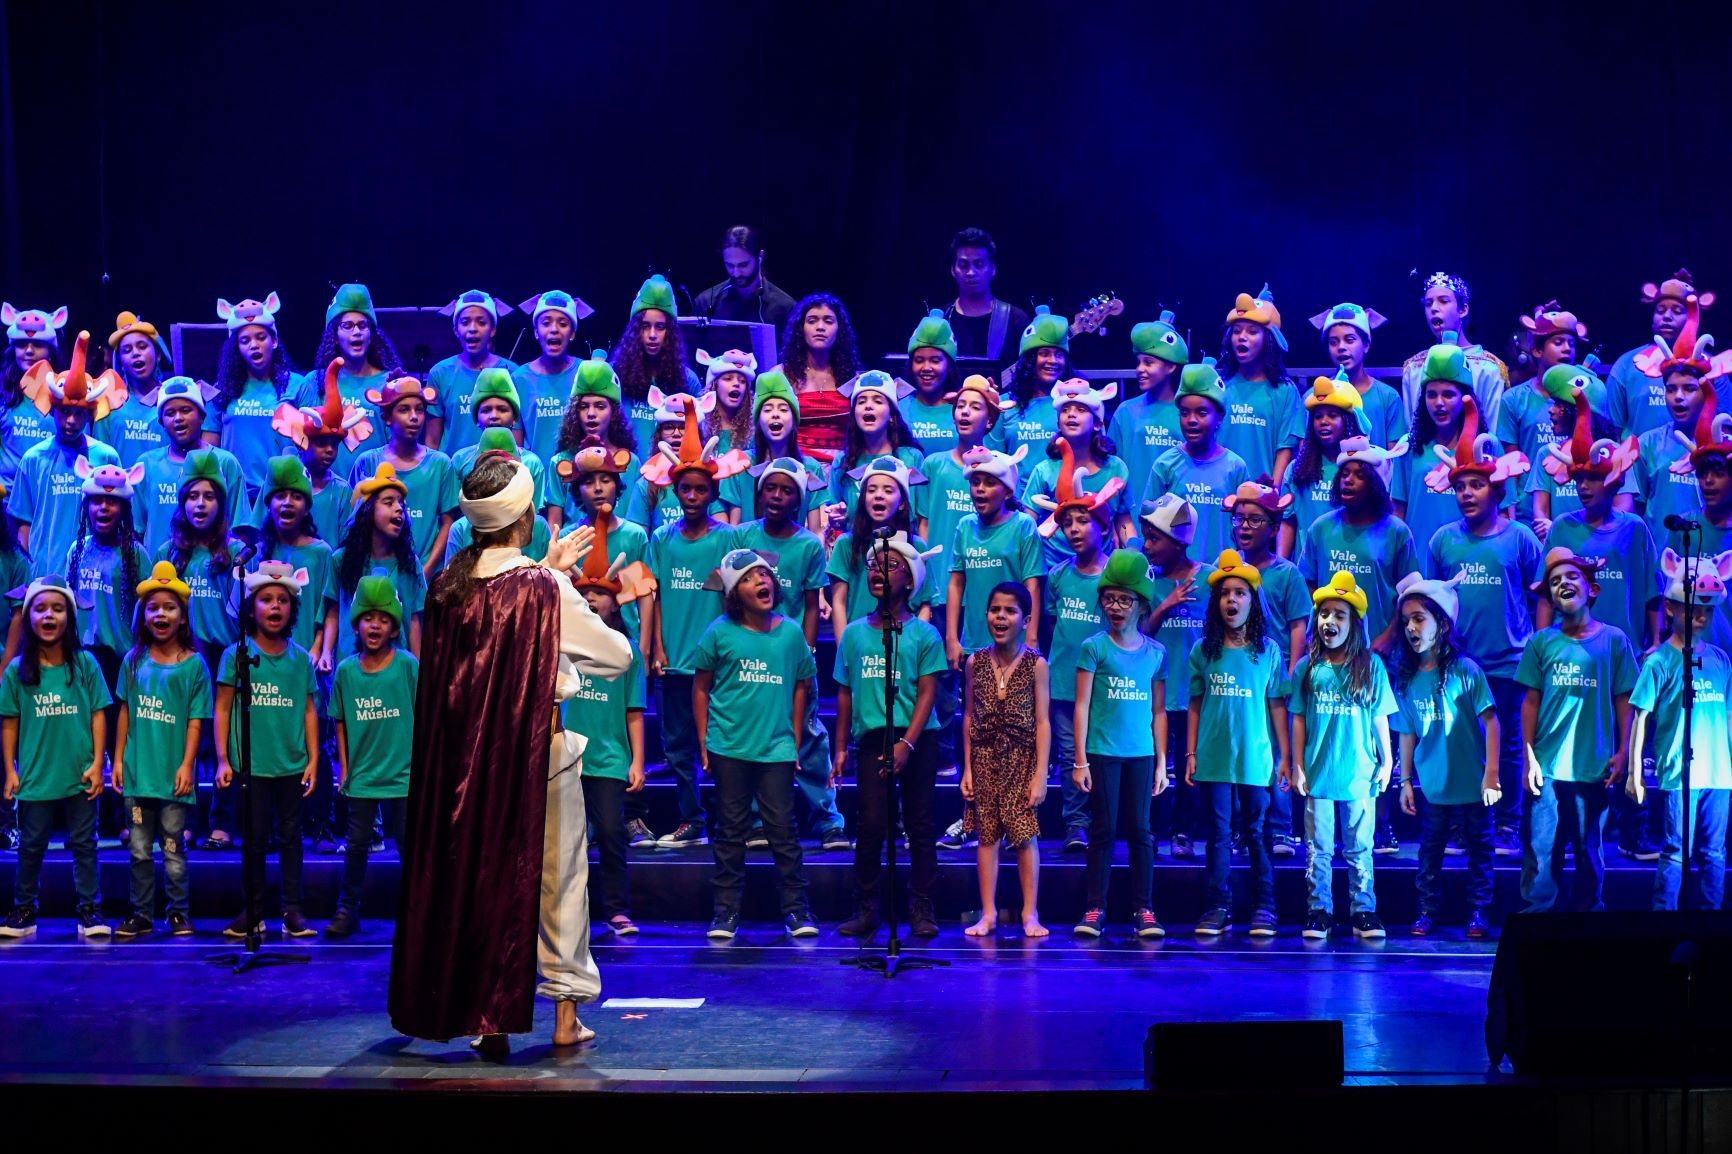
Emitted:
<point x="568" y="971"/>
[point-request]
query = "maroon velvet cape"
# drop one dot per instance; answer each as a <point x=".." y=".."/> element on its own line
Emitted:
<point x="463" y="960"/>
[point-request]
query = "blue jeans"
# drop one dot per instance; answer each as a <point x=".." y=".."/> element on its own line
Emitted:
<point x="771" y="784"/>
<point x="1358" y="821"/>
<point x="1253" y="804"/>
<point x="1077" y="808"/>
<point x="680" y="743"/>
<point x="812" y="772"/>
<point x="147" y="819"/>
<point x="1121" y="795"/>
<point x="1707" y="849"/>
<point x="35" y="818"/>
<point x="1566" y="813"/>
<point x="1476" y="835"/>
<point x="1507" y="695"/>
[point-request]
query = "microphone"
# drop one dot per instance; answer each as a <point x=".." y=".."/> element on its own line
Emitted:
<point x="246" y="554"/>
<point x="1677" y="524"/>
<point x="884" y="533"/>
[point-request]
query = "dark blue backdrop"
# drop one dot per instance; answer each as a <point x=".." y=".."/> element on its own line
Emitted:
<point x="1173" y="153"/>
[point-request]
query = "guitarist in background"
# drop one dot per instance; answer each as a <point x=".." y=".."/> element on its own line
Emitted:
<point x="984" y="325"/>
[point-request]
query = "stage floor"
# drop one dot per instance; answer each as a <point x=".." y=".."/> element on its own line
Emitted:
<point x="1057" y="1014"/>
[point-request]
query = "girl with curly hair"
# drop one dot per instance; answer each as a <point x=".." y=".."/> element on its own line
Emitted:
<point x="142" y="357"/>
<point x="819" y="355"/>
<point x="253" y="377"/>
<point x="651" y="352"/>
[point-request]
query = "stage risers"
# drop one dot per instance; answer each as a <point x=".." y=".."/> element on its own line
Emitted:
<point x="673" y="885"/>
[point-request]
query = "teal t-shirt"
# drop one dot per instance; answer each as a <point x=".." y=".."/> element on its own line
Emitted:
<point x="1033" y="423"/>
<point x="24" y="426"/>
<point x="433" y="487"/>
<point x="623" y="540"/>
<point x="942" y="502"/>
<point x="55" y="719"/>
<point x="315" y="557"/>
<point x="1142" y="430"/>
<point x="131" y="430"/>
<point x="1630" y="581"/>
<point x="1309" y="501"/>
<point x="860" y="666"/>
<point x="1341" y="747"/>
<point x="1383" y="409"/>
<point x="214" y="605"/>
<point x="642" y="414"/>
<point x="1122" y="700"/>
<point x="332" y="506"/>
<point x="1008" y="551"/>
<point x="154" y="499"/>
<point x="1286" y="597"/>
<point x="1427" y="512"/>
<point x="1524" y="417"/>
<point x="841" y="568"/>
<point x="411" y="589"/>
<point x="463" y="534"/>
<point x="1659" y="691"/>
<point x="846" y="489"/>
<point x="1233" y="731"/>
<point x="463" y="462"/>
<point x="598" y="711"/>
<point x="1666" y="492"/>
<point x="1263" y="418"/>
<point x="681" y="566"/>
<point x="1043" y="480"/>
<point x="1205" y="484"/>
<point x="1579" y="680"/>
<point x="799" y="561"/>
<point x="562" y="494"/>
<point x="1378" y="555"/>
<point x="666" y="510"/>
<point x="934" y="426"/>
<point x="1180" y="631"/>
<point x="99" y="577"/>
<point x="1075" y="613"/>
<point x="245" y="430"/>
<point x="740" y="491"/>
<point x="377" y="713"/>
<point x="1494" y="621"/>
<point x="282" y="688"/>
<point x="49" y="497"/>
<point x="353" y="389"/>
<point x="545" y="398"/>
<point x="14" y="574"/>
<point x="1635" y="402"/>
<point x="161" y="701"/>
<point x="1448" y="736"/>
<point x="454" y="385"/>
<point x="752" y="694"/>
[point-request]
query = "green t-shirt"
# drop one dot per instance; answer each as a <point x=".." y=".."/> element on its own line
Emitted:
<point x="433" y="487"/>
<point x="214" y="605"/>
<point x="1448" y="737"/>
<point x="1009" y="551"/>
<point x="99" y="577"/>
<point x="315" y="557"/>
<point x="598" y="711"/>
<point x="160" y="702"/>
<point x="1180" y="632"/>
<point x="1660" y="691"/>
<point x="1341" y="748"/>
<point x="1075" y="614"/>
<point x="1233" y="742"/>
<point x="860" y="666"/>
<point x="752" y="696"/>
<point x="1579" y="680"/>
<point x="282" y="687"/>
<point x="54" y="724"/>
<point x="411" y="589"/>
<point x="155" y="498"/>
<point x="377" y="713"/>
<point x="860" y="599"/>
<point x="1122" y="700"/>
<point x="681" y="567"/>
<point x="799" y="561"/>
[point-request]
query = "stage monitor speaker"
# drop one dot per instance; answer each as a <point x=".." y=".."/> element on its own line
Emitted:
<point x="1613" y="995"/>
<point x="1217" y="1055"/>
<point x="196" y="348"/>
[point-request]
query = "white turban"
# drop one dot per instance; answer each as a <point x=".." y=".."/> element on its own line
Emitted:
<point x="506" y="507"/>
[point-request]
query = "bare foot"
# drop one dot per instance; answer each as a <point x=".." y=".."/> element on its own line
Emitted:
<point x="492" y="1045"/>
<point x="567" y="1030"/>
<point x="983" y="927"/>
<point x="1031" y="927"/>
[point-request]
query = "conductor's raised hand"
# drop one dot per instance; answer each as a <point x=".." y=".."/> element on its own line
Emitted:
<point x="568" y="552"/>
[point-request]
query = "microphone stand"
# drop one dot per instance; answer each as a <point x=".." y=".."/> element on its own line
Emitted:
<point x="892" y="961"/>
<point x="1691" y="662"/>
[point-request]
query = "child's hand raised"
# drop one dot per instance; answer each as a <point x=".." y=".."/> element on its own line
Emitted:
<point x="1181" y="593"/>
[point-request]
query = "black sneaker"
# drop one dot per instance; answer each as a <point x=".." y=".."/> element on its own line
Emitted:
<point x="637" y="834"/>
<point x="1367" y="926"/>
<point x="295" y="925"/>
<point x="1144" y="923"/>
<point x="684" y="834"/>
<point x="12" y="840"/>
<point x="1263" y="924"/>
<point x="1076" y="840"/>
<point x="758" y="839"/>
<point x="1090" y="926"/>
<point x="90" y="923"/>
<point x="1238" y="845"/>
<point x="954" y="838"/>
<point x="724" y="926"/>
<point x="1214" y="923"/>
<point x="800" y="925"/>
<point x="135" y="926"/>
<point x="1317" y="927"/>
<point x="179" y="925"/>
<point x="1506" y="843"/>
<point x="835" y="841"/>
<point x="1477" y="925"/>
<point x="921" y="922"/>
<point x="238" y="927"/>
<point x="377" y="845"/>
<point x="1384" y="842"/>
<point x="1286" y="845"/>
<point x="621" y="926"/>
<point x="1639" y="848"/>
<point x="1182" y="846"/>
<point x="1423" y="926"/>
<point x="863" y="924"/>
<point x="343" y="925"/>
<point x="1453" y="847"/>
<point x="20" y="923"/>
<point x="325" y="843"/>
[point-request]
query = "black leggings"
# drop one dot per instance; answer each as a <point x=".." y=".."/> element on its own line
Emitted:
<point x="604" y="801"/>
<point x="281" y="797"/>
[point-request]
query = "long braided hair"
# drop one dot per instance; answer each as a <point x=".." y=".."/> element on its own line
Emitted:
<point x="126" y="544"/>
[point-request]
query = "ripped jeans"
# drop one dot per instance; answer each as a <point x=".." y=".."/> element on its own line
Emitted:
<point x="147" y="820"/>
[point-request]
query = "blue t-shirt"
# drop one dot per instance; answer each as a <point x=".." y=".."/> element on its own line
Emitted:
<point x="681" y="566"/>
<point x="454" y="384"/>
<point x="1494" y="621"/>
<point x="133" y="429"/>
<point x="1142" y="430"/>
<point x="1042" y="480"/>
<point x="1073" y="609"/>
<point x="1427" y="512"/>
<point x="155" y="498"/>
<point x="740" y="491"/>
<point x="24" y="426"/>
<point x="1378" y="555"/>
<point x="545" y="397"/>
<point x="99" y="576"/>
<point x="245" y="430"/>
<point x="332" y="506"/>
<point x="1630" y="581"/>
<point x="433" y="492"/>
<point x="1383" y="409"/>
<point x="1524" y="417"/>
<point x="934" y="426"/>
<point x="1659" y="691"/>
<point x="860" y="666"/>
<point x="1342" y="751"/>
<point x="1666" y="492"/>
<point x="843" y="569"/>
<point x="49" y="497"/>
<point x="752" y="693"/>
<point x="1008" y="551"/>
<point x="1309" y="501"/>
<point x="1635" y="401"/>
<point x="1205" y="484"/>
<point x="1286" y="597"/>
<point x="1262" y="419"/>
<point x="1448" y="737"/>
<point x="1181" y="631"/>
<point x="846" y="489"/>
<point x="1233" y="729"/>
<point x="799" y="562"/>
<point x="1122" y="697"/>
<point x="1579" y="680"/>
<point x="1033" y="423"/>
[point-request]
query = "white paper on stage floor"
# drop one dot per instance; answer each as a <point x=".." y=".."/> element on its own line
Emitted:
<point x="652" y="1003"/>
